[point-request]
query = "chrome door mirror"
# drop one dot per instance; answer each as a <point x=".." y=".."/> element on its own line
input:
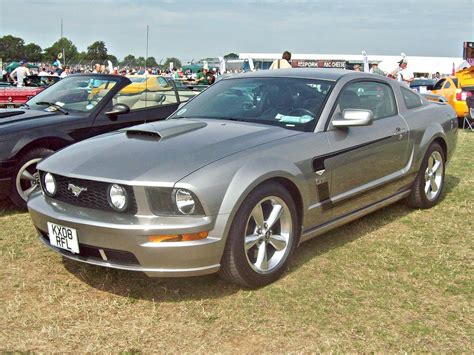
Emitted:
<point x="354" y="117"/>
<point x="118" y="109"/>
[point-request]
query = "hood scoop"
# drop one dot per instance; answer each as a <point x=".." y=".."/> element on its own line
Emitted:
<point x="164" y="129"/>
<point x="133" y="133"/>
<point x="7" y="113"/>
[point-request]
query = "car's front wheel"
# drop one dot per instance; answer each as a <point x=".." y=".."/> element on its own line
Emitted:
<point x="262" y="237"/>
<point x="429" y="182"/>
<point x="26" y="176"/>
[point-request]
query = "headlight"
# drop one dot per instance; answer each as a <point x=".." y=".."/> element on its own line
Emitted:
<point x="185" y="201"/>
<point x="118" y="198"/>
<point x="49" y="183"/>
<point x="165" y="201"/>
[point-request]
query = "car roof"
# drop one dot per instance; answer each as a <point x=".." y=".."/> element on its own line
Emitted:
<point x="307" y="73"/>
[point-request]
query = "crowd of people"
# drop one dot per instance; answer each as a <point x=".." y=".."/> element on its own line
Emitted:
<point x="204" y="76"/>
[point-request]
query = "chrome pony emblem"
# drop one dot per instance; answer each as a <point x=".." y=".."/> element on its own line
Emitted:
<point x="76" y="190"/>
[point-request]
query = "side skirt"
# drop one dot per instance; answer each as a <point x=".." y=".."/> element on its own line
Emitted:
<point x="325" y="227"/>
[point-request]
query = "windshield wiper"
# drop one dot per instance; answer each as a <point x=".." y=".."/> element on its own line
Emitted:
<point x="59" y="108"/>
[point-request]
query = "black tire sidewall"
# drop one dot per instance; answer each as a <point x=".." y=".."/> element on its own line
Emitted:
<point x="29" y="155"/>
<point x="425" y="202"/>
<point x="236" y="237"/>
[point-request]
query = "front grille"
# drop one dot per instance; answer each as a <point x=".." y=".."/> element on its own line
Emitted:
<point x="90" y="252"/>
<point x="94" y="197"/>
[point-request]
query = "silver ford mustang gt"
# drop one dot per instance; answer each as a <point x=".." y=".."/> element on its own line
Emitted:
<point x="243" y="173"/>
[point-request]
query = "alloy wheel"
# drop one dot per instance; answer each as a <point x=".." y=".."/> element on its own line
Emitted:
<point x="27" y="178"/>
<point x="434" y="176"/>
<point x="267" y="235"/>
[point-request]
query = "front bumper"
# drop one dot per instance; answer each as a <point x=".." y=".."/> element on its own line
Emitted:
<point x="123" y="239"/>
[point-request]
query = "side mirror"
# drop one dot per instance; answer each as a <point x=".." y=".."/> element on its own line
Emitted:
<point x="118" y="109"/>
<point x="354" y="117"/>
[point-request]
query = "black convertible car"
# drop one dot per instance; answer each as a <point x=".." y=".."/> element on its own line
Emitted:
<point x="78" y="107"/>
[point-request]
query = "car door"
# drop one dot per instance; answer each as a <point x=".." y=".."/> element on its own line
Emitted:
<point x="156" y="102"/>
<point x="366" y="163"/>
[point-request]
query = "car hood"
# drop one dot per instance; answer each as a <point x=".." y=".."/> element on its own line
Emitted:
<point x="9" y="116"/>
<point x="160" y="152"/>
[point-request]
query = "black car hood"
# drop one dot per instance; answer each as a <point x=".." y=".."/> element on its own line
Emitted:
<point x="8" y="116"/>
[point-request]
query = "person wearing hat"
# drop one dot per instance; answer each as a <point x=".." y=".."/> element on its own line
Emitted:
<point x="375" y="69"/>
<point x="20" y="73"/>
<point x="402" y="73"/>
<point x="202" y="78"/>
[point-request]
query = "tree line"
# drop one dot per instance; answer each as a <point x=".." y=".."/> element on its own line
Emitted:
<point x="14" y="49"/>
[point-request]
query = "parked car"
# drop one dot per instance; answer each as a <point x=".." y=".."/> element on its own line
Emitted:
<point x="78" y="107"/>
<point x="422" y="86"/>
<point x="12" y="96"/>
<point x="456" y="89"/>
<point x="236" y="178"/>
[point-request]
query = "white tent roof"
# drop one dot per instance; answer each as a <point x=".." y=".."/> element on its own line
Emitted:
<point x="417" y="64"/>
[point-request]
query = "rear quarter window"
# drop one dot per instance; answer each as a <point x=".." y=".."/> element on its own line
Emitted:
<point x="412" y="100"/>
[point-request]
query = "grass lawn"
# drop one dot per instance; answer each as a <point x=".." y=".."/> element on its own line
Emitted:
<point x="396" y="280"/>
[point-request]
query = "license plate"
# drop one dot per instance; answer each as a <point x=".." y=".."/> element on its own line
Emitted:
<point x="63" y="237"/>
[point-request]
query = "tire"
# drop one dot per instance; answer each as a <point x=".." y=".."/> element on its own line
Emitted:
<point x="429" y="183"/>
<point x="256" y="254"/>
<point x="22" y="187"/>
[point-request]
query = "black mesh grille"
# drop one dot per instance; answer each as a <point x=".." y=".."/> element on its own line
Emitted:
<point x="94" y="197"/>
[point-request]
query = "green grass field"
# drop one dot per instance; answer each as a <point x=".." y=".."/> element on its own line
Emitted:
<point x="397" y="280"/>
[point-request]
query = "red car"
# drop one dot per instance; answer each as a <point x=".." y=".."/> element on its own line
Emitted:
<point x="12" y="96"/>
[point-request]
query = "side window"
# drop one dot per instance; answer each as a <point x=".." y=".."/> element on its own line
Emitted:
<point x="439" y="84"/>
<point x="145" y="92"/>
<point x="368" y="95"/>
<point x="411" y="99"/>
<point x="447" y="85"/>
<point x="455" y="82"/>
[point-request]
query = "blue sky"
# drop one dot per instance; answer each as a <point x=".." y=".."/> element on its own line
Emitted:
<point x="196" y="29"/>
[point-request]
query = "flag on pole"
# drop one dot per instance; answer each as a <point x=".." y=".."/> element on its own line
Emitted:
<point x="366" y="62"/>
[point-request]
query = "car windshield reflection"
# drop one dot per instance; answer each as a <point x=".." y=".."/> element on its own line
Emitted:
<point x="75" y="93"/>
<point x="292" y="103"/>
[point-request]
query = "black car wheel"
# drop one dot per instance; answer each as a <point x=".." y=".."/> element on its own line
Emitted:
<point x="262" y="237"/>
<point x="429" y="182"/>
<point x="26" y="179"/>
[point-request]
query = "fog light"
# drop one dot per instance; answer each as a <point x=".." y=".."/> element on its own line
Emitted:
<point x="117" y="197"/>
<point x="178" y="237"/>
<point x="50" y="186"/>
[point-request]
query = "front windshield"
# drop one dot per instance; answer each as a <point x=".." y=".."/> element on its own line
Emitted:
<point x="74" y="93"/>
<point x="292" y="103"/>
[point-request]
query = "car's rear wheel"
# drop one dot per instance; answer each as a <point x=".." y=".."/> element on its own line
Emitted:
<point x="26" y="179"/>
<point x="262" y="237"/>
<point x="429" y="182"/>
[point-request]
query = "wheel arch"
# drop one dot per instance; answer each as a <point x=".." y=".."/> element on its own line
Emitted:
<point x="49" y="142"/>
<point x="242" y="185"/>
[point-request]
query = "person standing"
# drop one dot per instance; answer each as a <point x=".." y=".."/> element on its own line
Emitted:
<point x="20" y="73"/>
<point x="202" y="78"/>
<point x="375" y="70"/>
<point x="65" y="72"/>
<point x="402" y="73"/>
<point x="283" y="63"/>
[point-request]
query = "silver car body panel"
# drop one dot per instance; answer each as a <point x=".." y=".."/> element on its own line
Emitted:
<point x="335" y="175"/>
